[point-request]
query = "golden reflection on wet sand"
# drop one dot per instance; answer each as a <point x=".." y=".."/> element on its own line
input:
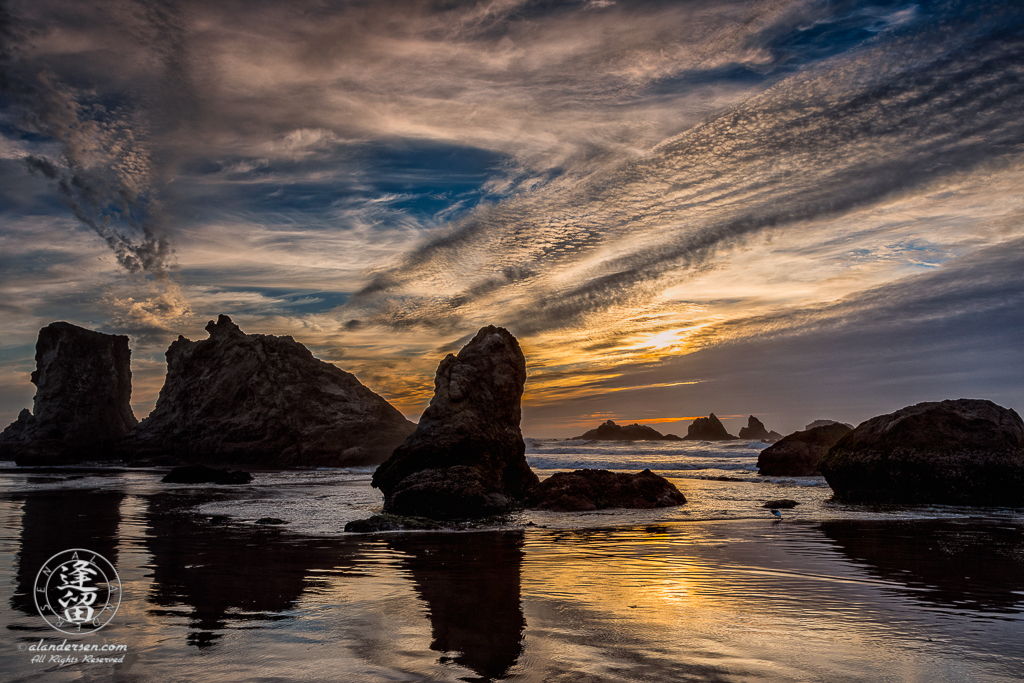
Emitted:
<point x="208" y="599"/>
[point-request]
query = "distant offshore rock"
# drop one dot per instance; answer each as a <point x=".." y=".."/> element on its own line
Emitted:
<point x="609" y="431"/>
<point x="584" y="490"/>
<point x="799" y="454"/>
<point x="257" y="399"/>
<point x="756" y="431"/>
<point x="82" y="405"/>
<point x="963" y="452"/>
<point x="467" y="456"/>
<point x="825" y="423"/>
<point x="708" y="429"/>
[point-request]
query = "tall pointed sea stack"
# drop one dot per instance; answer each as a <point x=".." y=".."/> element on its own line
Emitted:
<point x="257" y="399"/>
<point x="467" y="455"/>
<point x="708" y="428"/>
<point x="82" y="405"/>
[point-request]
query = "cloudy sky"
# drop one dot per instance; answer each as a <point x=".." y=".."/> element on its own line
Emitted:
<point x="793" y="209"/>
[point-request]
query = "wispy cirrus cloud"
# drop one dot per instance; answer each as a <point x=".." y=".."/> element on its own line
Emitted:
<point x="618" y="183"/>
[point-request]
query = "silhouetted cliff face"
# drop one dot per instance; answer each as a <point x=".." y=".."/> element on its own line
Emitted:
<point x="609" y="431"/>
<point x="756" y="431"/>
<point x="967" y="451"/>
<point x="707" y="429"/>
<point x="467" y="455"/>
<point x="264" y="400"/>
<point x="82" y="405"/>
<point x="799" y="454"/>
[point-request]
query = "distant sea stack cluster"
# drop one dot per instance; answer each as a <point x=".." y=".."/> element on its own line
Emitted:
<point x="708" y="428"/>
<point x="235" y="398"/>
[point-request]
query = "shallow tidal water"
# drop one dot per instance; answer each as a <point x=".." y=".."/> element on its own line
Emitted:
<point x="716" y="590"/>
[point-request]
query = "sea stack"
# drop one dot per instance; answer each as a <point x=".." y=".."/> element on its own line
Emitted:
<point x="467" y="456"/>
<point x="966" y="452"/>
<point x="708" y="428"/>
<point x="799" y="454"/>
<point x="261" y="400"/>
<point x="82" y="405"/>
<point x="609" y="431"/>
<point x="756" y="431"/>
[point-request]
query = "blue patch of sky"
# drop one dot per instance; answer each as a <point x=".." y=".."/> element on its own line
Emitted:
<point x="836" y="28"/>
<point x="415" y="178"/>
<point x="842" y="26"/>
<point x="430" y="177"/>
<point x="294" y="300"/>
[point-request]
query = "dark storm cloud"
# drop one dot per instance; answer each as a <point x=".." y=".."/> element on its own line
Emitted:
<point x="104" y="173"/>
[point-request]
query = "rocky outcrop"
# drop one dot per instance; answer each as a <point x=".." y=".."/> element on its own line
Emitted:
<point x="600" y="489"/>
<point x="824" y="423"/>
<point x="257" y="399"/>
<point x="82" y="405"/>
<point x="967" y="451"/>
<point x="799" y="454"/>
<point x="200" y="474"/>
<point x="609" y="431"/>
<point x="467" y="455"/>
<point x="756" y="431"/>
<point x="707" y="429"/>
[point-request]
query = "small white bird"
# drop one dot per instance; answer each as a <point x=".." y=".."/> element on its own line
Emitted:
<point x="776" y="513"/>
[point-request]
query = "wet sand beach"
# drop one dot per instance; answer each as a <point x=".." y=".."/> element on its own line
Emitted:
<point x="212" y="598"/>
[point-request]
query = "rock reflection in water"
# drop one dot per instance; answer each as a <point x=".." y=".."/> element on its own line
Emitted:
<point x="471" y="584"/>
<point x="227" y="573"/>
<point x="964" y="564"/>
<point x="54" y="521"/>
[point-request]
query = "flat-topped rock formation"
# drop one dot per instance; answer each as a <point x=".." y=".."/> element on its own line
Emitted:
<point x="708" y="428"/>
<point x="799" y="454"/>
<point x="467" y="455"/>
<point x="82" y="405"/>
<point x="257" y="399"/>
<point x="967" y="451"/>
<point x="756" y="431"/>
<point x="609" y="431"/>
<point x="600" y="489"/>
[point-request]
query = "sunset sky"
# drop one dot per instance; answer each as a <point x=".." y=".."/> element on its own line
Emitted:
<point x="796" y="210"/>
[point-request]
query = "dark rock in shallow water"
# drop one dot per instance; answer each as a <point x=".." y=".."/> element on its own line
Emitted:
<point x="707" y="429"/>
<point x="264" y="400"/>
<point x="967" y="451"/>
<point x="82" y="405"/>
<point x="200" y="474"/>
<point x="467" y="455"/>
<point x="392" y="523"/>
<point x="798" y="454"/>
<point x="781" y="504"/>
<point x="600" y="489"/>
<point x="270" y="520"/>
<point x="609" y="431"/>
<point x="756" y="431"/>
